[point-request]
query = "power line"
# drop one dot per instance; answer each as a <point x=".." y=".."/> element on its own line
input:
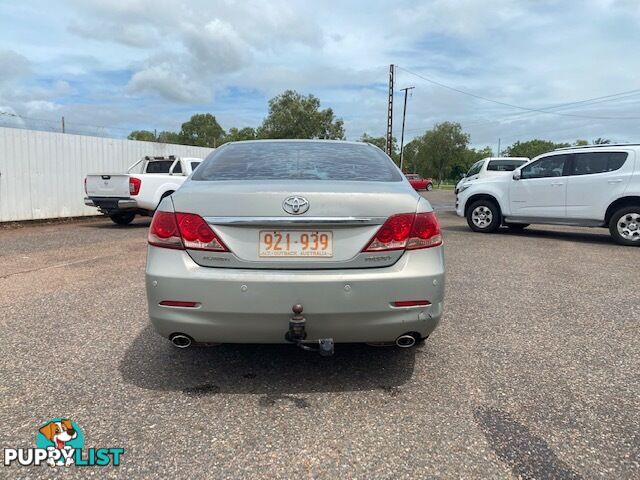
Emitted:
<point x="52" y="121"/>
<point x="511" y="105"/>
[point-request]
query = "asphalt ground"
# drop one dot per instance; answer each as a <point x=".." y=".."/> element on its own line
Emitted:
<point x="533" y="373"/>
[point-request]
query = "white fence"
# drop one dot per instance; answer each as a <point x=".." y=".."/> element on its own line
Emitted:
<point x="42" y="173"/>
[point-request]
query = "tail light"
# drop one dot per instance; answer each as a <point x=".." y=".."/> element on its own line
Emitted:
<point x="183" y="231"/>
<point x="134" y="185"/>
<point x="407" y="231"/>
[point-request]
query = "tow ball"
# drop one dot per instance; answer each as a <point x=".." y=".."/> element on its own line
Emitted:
<point x="297" y="334"/>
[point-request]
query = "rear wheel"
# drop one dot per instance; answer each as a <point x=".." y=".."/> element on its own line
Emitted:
<point x="624" y="226"/>
<point x="122" y="218"/>
<point x="483" y="216"/>
<point x="429" y="187"/>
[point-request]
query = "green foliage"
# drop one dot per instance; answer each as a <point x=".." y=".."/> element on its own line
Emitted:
<point x="580" y="143"/>
<point x="440" y="148"/>
<point x="237" y="135"/>
<point x="601" y="141"/>
<point x="468" y="158"/>
<point x="532" y="148"/>
<point x="169" y="137"/>
<point x="292" y="115"/>
<point x="142" y="135"/>
<point x="202" y="130"/>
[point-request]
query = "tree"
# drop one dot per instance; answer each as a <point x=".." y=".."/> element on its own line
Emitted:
<point x="580" y="143"/>
<point x="440" y="148"/>
<point x="532" y="148"/>
<point x="142" y="135"/>
<point x="292" y="115"/>
<point x="202" y="130"/>
<point x="169" y="137"/>
<point x="468" y="158"/>
<point x="601" y="141"/>
<point x="236" y="135"/>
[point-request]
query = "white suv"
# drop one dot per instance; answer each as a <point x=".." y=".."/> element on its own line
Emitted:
<point x="491" y="166"/>
<point x="593" y="186"/>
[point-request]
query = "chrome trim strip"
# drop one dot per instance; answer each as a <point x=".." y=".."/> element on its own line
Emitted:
<point x="295" y="221"/>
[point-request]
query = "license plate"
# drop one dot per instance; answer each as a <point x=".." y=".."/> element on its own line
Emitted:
<point x="296" y="243"/>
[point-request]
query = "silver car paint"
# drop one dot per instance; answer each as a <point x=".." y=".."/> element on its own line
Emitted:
<point x="244" y="299"/>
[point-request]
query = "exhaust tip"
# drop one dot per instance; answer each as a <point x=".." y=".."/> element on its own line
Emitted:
<point x="180" y="340"/>
<point x="406" y="341"/>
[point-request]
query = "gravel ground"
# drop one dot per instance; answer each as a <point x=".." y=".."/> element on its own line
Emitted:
<point x="533" y="373"/>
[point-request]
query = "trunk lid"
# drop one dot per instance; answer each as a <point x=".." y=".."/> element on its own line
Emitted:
<point x="343" y="216"/>
<point x="108" y="185"/>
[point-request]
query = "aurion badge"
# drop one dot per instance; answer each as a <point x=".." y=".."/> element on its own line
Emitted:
<point x="295" y="205"/>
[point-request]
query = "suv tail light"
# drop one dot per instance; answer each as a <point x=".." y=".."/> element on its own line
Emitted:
<point x="407" y="231"/>
<point x="134" y="185"/>
<point x="183" y="231"/>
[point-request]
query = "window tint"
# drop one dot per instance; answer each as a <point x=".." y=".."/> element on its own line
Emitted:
<point x="504" y="165"/>
<point x="194" y="165"/>
<point x="412" y="177"/>
<point x="178" y="167"/>
<point x="159" y="166"/>
<point x="552" y="166"/>
<point x="475" y="168"/>
<point x="597" y="162"/>
<point x="298" y="161"/>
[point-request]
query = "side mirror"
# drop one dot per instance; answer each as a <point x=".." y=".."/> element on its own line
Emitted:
<point x="517" y="175"/>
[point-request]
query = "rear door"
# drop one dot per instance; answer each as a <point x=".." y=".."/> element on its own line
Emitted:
<point x="303" y="205"/>
<point x="108" y="185"/>
<point x="596" y="179"/>
<point x="542" y="188"/>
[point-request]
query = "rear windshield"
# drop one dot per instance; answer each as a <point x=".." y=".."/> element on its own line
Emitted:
<point x="505" y="165"/>
<point x="298" y="161"/>
<point x="159" y="166"/>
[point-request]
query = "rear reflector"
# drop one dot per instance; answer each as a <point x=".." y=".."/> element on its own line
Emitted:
<point x="409" y="231"/>
<point x="411" y="303"/>
<point x="183" y="231"/>
<point x="178" y="303"/>
<point x="134" y="185"/>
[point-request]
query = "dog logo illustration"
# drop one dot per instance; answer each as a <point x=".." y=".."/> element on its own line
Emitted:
<point x="61" y="434"/>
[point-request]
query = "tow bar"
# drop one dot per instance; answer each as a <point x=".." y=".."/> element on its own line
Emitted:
<point x="297" y="334"/>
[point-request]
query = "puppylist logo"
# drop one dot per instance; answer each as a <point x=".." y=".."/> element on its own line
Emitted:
<point x="60" y="442"/>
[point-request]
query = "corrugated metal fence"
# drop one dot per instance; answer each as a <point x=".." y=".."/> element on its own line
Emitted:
<point x="42" y="173"/>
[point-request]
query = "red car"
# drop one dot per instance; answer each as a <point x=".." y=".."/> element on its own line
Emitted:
<point x="418" y="182"/>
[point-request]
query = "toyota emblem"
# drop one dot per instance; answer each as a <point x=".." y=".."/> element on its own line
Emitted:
<point x="295" y="205"/>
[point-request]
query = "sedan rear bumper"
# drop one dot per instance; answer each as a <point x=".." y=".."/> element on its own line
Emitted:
<point x="254" y="306"/>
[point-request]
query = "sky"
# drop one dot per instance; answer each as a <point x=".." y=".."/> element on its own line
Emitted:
<point x="112" y="66"/>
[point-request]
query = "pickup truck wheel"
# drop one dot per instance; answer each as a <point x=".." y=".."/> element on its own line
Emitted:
<point x="122" y="218"/>
<point x="484" y="216"/>
<point x="624" y="226"/>
<point x="429" y="187"/>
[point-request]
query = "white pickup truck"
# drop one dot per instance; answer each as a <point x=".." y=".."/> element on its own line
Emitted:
<point x="140" y="190"/>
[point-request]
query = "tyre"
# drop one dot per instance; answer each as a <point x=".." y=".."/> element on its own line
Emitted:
<point x="624" y="226"/>
<point x="429" y="187"/>
<point x="484" y="216"/>
<point x="122" y="218"/>
<point x="517" y="226"/>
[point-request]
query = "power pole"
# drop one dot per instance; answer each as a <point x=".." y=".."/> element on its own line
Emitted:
<point x="390" y="112"/>
<point x="499" y="140"/>
<point x="404" y="114"/>
<point x="63" y="124"/>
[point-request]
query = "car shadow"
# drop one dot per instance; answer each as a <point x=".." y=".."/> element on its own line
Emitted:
<point x="152" y="363"/>
<point x="532" y="232"/>
<point x="109" y="225"/>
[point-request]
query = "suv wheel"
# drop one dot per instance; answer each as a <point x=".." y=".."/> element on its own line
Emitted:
<point x="484" y="216"/>
<point x="625" y="226"/>
<point x="122" y="218"/>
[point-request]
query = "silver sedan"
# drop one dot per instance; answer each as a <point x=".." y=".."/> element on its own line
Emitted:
<point x="309" y="242"/>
